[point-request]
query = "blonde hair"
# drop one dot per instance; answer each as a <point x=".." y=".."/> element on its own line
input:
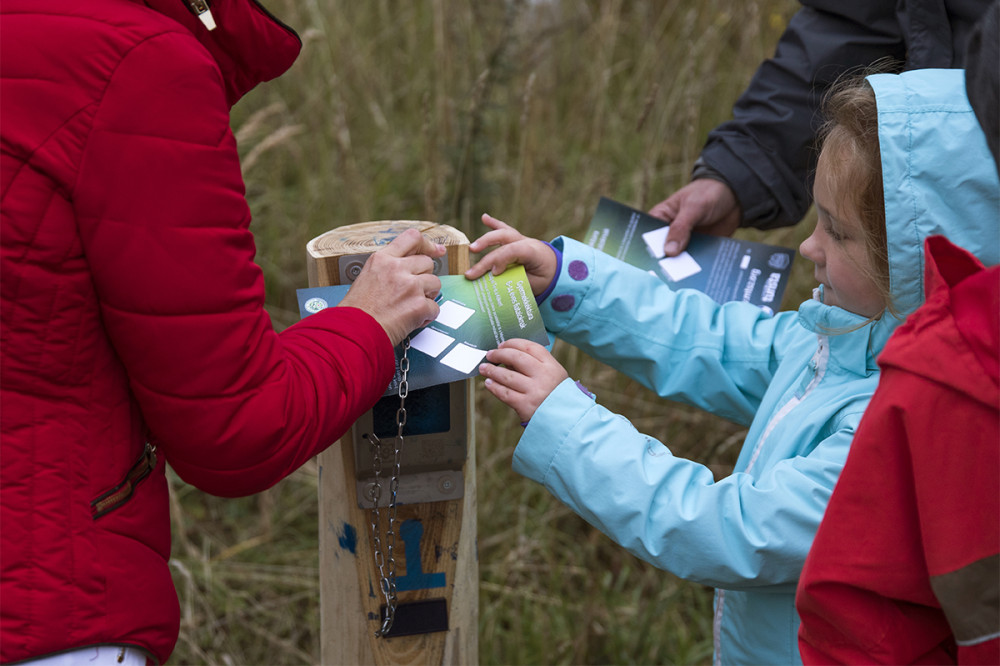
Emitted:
<point x="850" y="133"/>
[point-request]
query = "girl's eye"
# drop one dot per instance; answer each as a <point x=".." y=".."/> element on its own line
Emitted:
<point x="831" y="232"/>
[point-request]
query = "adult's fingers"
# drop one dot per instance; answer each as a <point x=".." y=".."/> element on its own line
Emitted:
<point x="410" y="242"/>
<point x="679" y="214"/>
<point x="431" y="285"/>
<point x="415" y="264"/>
<point x="679" y="233"/>
<point x="665" y="210"/>
<point x="431" y="310"/>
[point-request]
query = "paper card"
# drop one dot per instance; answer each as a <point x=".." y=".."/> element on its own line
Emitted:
<point x="431" y="342"/>
<point x="454" y="314"/>
<point x="464" y="358"/>
<point x="727" y="269"/>
<point x="679" y="267"/>
<point x="482" y="313"/>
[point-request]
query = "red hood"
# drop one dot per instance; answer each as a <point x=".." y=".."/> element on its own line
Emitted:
<point x="952" y="340"/>
<point x="250" y="45"/>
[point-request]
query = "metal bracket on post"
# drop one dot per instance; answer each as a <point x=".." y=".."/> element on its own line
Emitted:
<point x="436" y="445"/>
<point x="350" y="266"/>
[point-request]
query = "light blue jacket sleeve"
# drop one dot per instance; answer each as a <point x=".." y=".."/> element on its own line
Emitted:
<point x="744" y="531"/>
<point x="680" y="344"/>
<point x="751" y="529"/>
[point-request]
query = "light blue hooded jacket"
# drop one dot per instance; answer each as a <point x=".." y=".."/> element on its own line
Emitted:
<point x="800" y="388"/>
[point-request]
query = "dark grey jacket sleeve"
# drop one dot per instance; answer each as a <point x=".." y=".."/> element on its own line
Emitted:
<point x="766" y="153"/>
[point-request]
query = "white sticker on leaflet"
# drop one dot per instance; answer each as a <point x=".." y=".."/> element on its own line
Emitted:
<point x="431" y="342"/>
<point x="680" y="267"/>
<point x="454" y="314"/>
<point x="655" y="241"/>
<point x="464" y="358"/>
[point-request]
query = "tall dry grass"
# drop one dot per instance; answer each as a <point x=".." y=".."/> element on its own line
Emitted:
<point x="443" y="110"/>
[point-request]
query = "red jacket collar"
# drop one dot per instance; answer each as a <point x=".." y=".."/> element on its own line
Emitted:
<point x="250" y="45"/>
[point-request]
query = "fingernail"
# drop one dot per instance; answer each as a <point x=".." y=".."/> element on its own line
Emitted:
<point x="488" y="382"/>
<point x="672" y="247"/>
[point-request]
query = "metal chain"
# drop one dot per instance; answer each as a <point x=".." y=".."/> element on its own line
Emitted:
<point x="386" y="563"/>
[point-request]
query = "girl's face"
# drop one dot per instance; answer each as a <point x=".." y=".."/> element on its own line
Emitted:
<point x="837" y="247"/>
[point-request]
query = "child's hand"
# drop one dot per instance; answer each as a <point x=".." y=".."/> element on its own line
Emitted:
<point x="538" y="259"/>
<point x="530" y="374"/>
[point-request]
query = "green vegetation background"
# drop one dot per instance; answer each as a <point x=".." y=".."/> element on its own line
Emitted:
<point x="442" y="110"/>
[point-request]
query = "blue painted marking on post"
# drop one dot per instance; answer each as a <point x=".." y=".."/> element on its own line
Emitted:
<point x="411" y="532"/>
<point x="348" y="539"/>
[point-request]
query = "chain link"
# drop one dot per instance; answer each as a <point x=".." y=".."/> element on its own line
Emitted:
<point x="386" y="562"/>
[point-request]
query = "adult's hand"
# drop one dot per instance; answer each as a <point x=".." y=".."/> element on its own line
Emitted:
<point x="514" y="248"/>
<point x="397" y="285"/>
<point x="704" y="204"/>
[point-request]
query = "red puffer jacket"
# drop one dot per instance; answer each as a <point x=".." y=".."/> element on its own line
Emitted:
<point x="132" y="312"/>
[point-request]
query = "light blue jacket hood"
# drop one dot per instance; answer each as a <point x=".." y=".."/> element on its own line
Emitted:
<point x="938" y="178"/>
<point x="802" y="392"/>
<point x="938" y="174"/>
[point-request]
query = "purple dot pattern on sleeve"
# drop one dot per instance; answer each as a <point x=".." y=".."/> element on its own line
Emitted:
<point x="578" y="270"/>
<point x="563" y="302"/>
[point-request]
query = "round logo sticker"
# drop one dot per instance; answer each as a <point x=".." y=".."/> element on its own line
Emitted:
<point x="314" y="305"/>
<point x="778" y="261"/>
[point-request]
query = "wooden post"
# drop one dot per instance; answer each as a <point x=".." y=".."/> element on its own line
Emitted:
<point x="436" y="560"/>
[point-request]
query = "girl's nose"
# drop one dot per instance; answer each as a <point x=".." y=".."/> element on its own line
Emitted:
<point x="809" y="248"/>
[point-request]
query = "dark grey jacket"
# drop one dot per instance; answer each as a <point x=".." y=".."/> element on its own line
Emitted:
<point x="766" y="153"/>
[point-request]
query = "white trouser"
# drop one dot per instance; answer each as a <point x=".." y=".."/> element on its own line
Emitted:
<point x="102" y="655"/>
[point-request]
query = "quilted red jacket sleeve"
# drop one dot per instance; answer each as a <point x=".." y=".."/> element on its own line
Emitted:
<point x="164" y="222"/>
